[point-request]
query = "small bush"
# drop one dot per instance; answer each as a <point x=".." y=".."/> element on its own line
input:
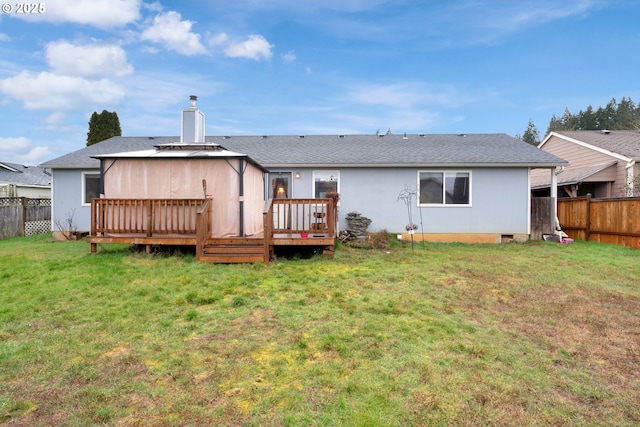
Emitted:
<point x="379" y="239"/>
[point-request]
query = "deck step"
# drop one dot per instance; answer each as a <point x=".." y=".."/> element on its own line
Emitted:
<point x="231" y="250"/>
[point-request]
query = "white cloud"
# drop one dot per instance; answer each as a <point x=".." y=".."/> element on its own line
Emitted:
<point x="408" y="94"/>
<point x="97" y="13"/>
<point x="479" y="24"/>
<point x="21" y="150"/>
<point x="93" y="60"/>
<point x="58" y="122"/>
<point x="289" y="57"/>
<point x="153" y="7"/>
<point x="4" y="37"/>
<point x="51" y="91"/>
<point x="55" y="118"/>
<point x="13" y="144"/>
<point x="219" y="39"/>
<point x="255" y="47"/>
<point x="170" y="30"/>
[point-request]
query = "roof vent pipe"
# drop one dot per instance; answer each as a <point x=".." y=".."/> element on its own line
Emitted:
<point x="193" y="100"/>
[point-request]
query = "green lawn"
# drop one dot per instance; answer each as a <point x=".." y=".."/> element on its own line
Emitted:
<point x="447" y="334"/>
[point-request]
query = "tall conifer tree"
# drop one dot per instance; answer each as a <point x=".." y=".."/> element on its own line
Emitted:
<point x="103" y="126"/>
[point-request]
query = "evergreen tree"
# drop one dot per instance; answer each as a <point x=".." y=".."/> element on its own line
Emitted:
<point x="624" y="115"/>
<point x="103" y="126"/>
<point x="586" y="119"/>
<point x="554" y="124"/>
<point x="531" y="135"/>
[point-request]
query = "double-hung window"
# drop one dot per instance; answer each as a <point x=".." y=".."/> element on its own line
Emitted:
<point x="444" y="188"/>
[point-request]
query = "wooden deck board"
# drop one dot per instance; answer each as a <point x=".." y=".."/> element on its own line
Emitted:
<point x="143" y="240"/>
<point x="156" y="222"/>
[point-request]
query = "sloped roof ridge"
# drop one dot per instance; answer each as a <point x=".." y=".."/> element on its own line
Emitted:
<point x="349" y="149"/>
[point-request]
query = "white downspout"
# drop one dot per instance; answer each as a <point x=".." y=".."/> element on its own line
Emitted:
<point x="554" y="190"/>
<point x="630" y="169"/>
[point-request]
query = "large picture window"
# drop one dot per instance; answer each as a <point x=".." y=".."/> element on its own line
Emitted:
<point x="90" y="187"/>
<point x="444" y="188"/>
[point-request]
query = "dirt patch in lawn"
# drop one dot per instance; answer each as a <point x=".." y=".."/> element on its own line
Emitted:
<point x="585" y="329"/>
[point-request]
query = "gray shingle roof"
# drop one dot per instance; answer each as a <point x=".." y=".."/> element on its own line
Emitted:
<point x="346" y="150"/>
<point x="625" y="142"/>
<point x="13" y="173"/>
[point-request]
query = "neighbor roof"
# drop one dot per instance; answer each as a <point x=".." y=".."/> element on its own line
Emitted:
<point x="571" y="175"/>
<point x="624" y="142"/>
<point x="13" y="173"/>
<point x="418" y="150"/>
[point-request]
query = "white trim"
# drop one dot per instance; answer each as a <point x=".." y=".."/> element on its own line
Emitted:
<point x="585" y="145"/>
<point x="326" y="174"/>
<point x="9" y="168"/>
<point x="444" y="204"/>
<point x="82" y="186"/>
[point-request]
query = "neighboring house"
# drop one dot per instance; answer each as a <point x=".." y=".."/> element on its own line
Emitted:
<point x="601" y="163"/>
<point x="473" y="187"/>
<point x="24" y="181"/>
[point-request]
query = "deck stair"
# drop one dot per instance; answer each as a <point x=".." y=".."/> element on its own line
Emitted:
<point x="230" y="250"/>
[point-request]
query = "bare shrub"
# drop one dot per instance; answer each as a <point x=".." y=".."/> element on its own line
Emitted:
<point x="379" y="239"/>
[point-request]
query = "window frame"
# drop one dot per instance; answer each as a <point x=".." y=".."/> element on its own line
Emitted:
<point x="83" y="193"/>
<point x="444" y="203"/>
<point x="288" y="179"/>
<point x="320" y="174"/>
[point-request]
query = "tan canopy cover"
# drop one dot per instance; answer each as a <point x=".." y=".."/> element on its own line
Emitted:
<point x="181" y="178"/>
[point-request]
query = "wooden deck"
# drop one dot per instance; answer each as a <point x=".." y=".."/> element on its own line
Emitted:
<point x="187" y="222"/>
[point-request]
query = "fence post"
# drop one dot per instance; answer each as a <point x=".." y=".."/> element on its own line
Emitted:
<point x="587" y="232"/>
<point x="23" y="200"/>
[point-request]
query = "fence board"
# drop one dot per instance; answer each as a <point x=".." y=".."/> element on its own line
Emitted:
<point x="615" y="221"/>
<point x="542" y="220"/>
<point x="20" y="216"/>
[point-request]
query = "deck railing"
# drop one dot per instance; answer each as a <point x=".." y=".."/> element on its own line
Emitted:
<point x="300" y="216"/>
<point x="147" y="217"/>
<point x="203" y="225"/>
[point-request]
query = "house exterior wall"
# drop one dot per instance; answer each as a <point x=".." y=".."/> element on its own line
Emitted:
<point x="499" y="200"/>
<point x="578" y="155"/>
<point x="67" y="200"/>
<point x="33" y="192"/>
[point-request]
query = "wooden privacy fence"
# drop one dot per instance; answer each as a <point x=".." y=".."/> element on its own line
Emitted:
<point x="614" y="221"/>
<point x="20" y="216"/>
<point x="542" y="219"/>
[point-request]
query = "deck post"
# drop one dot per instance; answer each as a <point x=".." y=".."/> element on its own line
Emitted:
<point x="267" y="230"/>
<point x="94" y="219"/>
<point x="149" y="217"/>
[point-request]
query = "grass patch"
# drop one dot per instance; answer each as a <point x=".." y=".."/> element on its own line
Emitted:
<point x="445" y="334"/>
